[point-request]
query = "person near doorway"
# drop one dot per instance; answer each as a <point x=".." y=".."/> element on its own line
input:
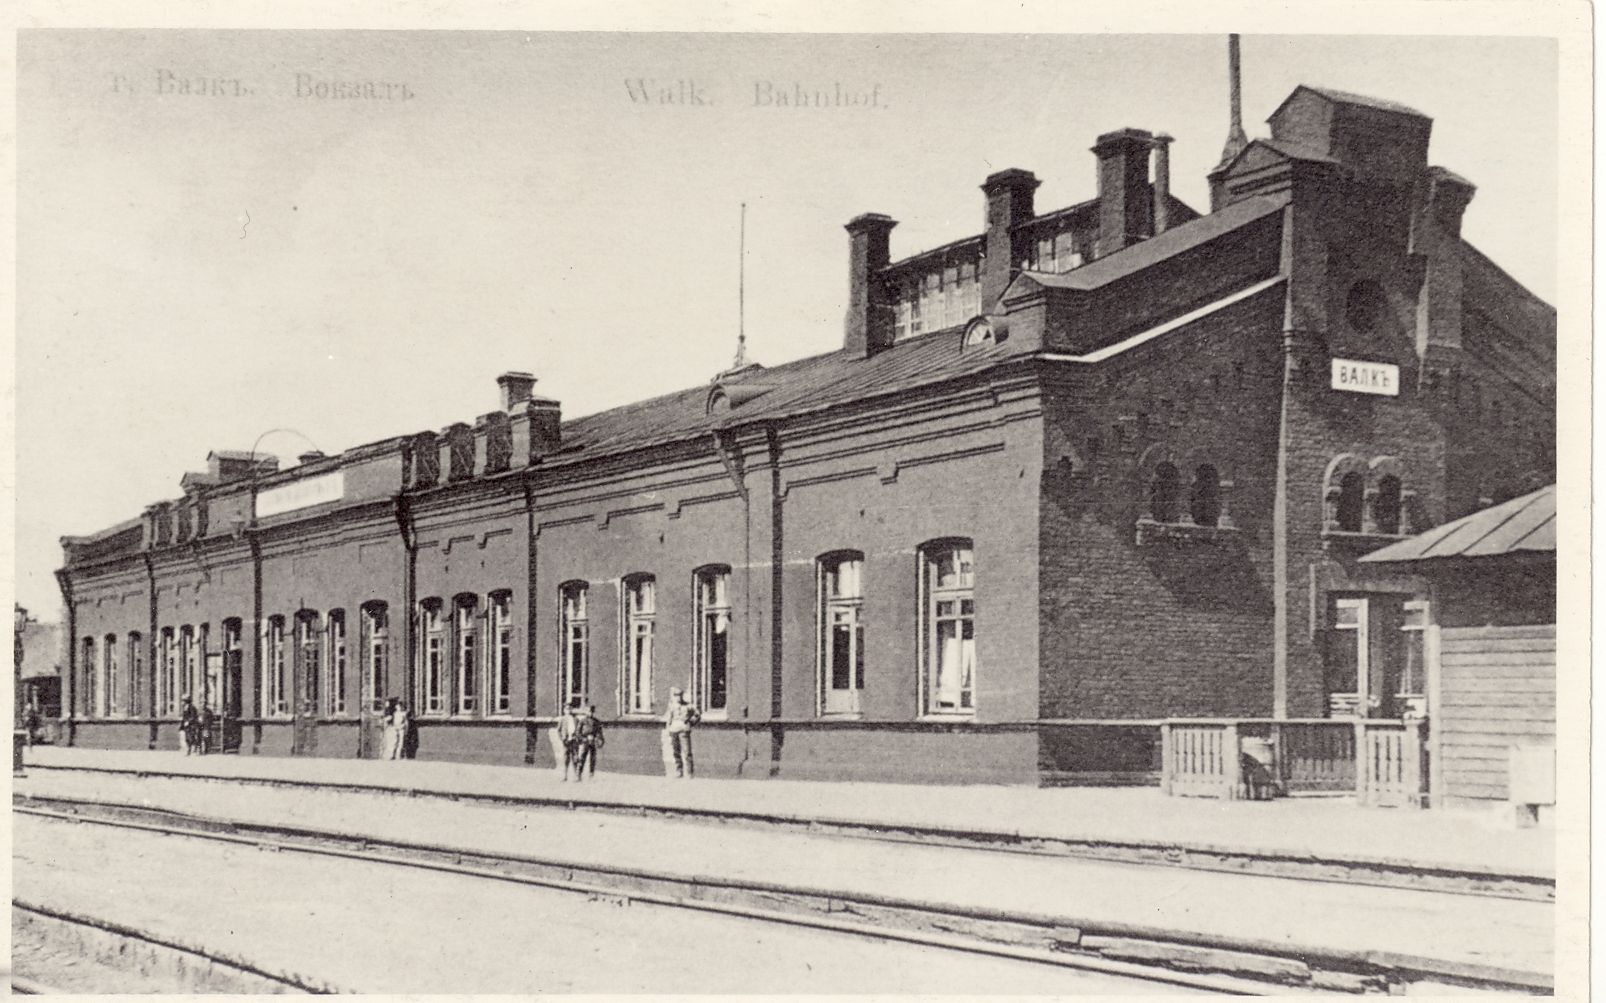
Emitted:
<point x="189" y="727"/>
<point x="397" y="722"/>
<point x="587" y="742"/>
<point x="30" y="722"/>
<point x="204" y="727"/>
<point x="678" y="723"/>
<point x="387" y="741"/>
<point x="568" y="737"/>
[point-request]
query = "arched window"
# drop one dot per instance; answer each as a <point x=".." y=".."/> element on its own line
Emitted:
<point x="309" y="655"/>
<point x="639" y="613"/>
<point x="136" y="668"/>
<point x="1204" y="504"/>
<point x="575" y="684"/>
<point x="466" y="630"/>
<point x="1386" y="505"/>
<point x="106" y="698"/>
<point x="499" y="642"/>
<point x="841" y="643"/>
<point x="433" y="655"/>
<point x="335" y="663"/>
<point x="167" y="677"/>
<point x="92" y="679"/>
<point x="227" y="699"/>
<point x="1164" y="493"/>
<point x="275" y="688"/>
<point x="712" y="644"/>
<point x="375" y="646"/>
<point x="948" y="627"/>
<point x="1351" y="501"/>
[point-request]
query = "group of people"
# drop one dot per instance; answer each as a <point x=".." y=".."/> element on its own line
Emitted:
<point x="195" y="729"/>
<point x="578" y="738"/>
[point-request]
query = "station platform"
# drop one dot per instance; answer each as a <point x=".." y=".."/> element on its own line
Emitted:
<point x="1328" y="829"/>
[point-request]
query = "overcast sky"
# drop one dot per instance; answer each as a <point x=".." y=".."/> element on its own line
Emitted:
<point x="197" y="268"/>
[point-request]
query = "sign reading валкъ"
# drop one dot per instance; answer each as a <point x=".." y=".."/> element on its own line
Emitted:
<point x="301" y="494"/>
<point x="1366" y="377"/>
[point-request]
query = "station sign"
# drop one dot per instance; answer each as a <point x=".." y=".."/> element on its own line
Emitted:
<point x="304" y="493"/>
<point x="1357" y="377"/>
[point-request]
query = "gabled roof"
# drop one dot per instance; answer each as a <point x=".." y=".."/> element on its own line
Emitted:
<point x="1526" y="524"/>
<point x="1136" y="257"/>
<point x="1346" y="97"/>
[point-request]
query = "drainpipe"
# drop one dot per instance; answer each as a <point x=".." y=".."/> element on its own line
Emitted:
<point x="1162" y="183"/>
<point x="150" y="651"/>
<point x="409" y="539"/>
<point x="69" y="698"/>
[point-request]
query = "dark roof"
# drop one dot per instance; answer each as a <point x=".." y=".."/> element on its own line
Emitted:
<point x="812" y="384"/>
<point x="1345" y="97"/>
<point x="1526" y="524"/>
<point x="1184" y="237"/>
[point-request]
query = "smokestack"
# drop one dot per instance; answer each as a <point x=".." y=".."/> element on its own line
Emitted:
<point x="1162" y="183"/>
<point x="1236" y="140"/>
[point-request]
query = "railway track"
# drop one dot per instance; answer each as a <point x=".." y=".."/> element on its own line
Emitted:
<point x="1299" y="866"/>
<point x="1155" y="956"/>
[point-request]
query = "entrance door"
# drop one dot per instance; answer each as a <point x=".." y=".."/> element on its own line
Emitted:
<point x="304" y="705"/>
<point x="229" y="741"/>
<point x="1374" y="656"/>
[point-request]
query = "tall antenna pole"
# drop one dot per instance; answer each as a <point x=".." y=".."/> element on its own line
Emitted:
<point x="741" y="295"/>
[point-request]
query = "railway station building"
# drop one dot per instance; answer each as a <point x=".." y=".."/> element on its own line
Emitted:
<point x="1091" y="468"/>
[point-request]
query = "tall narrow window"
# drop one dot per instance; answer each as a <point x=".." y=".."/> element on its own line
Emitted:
<point x="711" y="673"/>
<point x="167" y="678"/>
<point x="948" y="629"/>
<point x="189" y="664"/>
<point x="375" y="645"/>
<point x="465" y="613"/>
<point x="335" y="662"/>
<point x="1386" y="505"/>
<point x="640" y="618"/>
<point x="309" y="651"/>
<point x="93" y="675"/>
<point x="1205" y="503"/>
<point x="1347" y="661"/>
<point x="109" y="680"/>
<point x="275" y="696"/>
<point x="1164" y="493"/>
<point x="1413" y="656"/>
<point x="1351" y="501"/>
<point x="136" y="669"/>
<point x="500" y="641"/>
<point x="432" y="674"/>
<point x="841" y="632"/>
<point x="227" y="700"/>
<point x="576" y="643"/>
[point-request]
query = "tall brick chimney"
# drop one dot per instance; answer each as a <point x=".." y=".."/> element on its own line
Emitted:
<point x="1010" y="194"/>
<point x="1124" y="203"/>
<point x="868" y="327"/>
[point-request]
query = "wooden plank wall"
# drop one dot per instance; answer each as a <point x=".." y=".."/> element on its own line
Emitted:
<point x="1497" y="690"/>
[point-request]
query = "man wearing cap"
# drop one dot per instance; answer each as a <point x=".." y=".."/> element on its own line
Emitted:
<point x="678" y="722"/>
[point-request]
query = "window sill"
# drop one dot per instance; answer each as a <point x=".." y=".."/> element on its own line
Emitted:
<point x="1180" y="534"/>
<point x="1359" y="543"/>
<point x="949" y="717"/>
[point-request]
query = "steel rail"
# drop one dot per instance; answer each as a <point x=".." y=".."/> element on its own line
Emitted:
<point x="1381" y="967"/>
<point x="1439" y="879"/>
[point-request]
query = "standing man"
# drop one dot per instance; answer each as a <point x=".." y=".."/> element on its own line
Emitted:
<point x="568" y="732"/>
<point x="397" y="723"/>
<point x="189" y="727"/>
<point x="678" y="723"/>
<point x="587" y="741"/>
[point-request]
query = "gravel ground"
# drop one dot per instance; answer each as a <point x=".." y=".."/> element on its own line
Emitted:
<point x="1488" y="931"/>
<point x="380" y="929"/>
<point x="59" y="966"/>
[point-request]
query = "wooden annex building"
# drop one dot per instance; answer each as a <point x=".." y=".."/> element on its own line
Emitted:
<point x="1088" y="469"/>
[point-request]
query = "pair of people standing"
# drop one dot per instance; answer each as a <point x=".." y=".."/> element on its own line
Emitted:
<point x="580" y="734"/>
<point x="398" y="721"/>
<point x="195" y="729"/>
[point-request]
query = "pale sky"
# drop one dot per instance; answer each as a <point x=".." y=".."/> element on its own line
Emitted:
<point x="519" y="211"/>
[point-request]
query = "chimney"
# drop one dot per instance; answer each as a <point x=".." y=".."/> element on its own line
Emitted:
<point x="546" y="426"/>
<point x="1437" y="239"/>
<point x="868" y="327"/>
<point x="516" y="389"/>
<point x="1162" y="183"/>
<point x="1236" y="139"/>
<point x="1123" y="188"/>
<point x="1009" y="203"/>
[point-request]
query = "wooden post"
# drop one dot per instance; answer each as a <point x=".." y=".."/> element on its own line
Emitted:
<point x="1167" y="766"/>
<point x="1363" y="764"/>
<point x="1411" y="751"/>
<point x="1435" y="682"/>
<point x="1233" y="761"/>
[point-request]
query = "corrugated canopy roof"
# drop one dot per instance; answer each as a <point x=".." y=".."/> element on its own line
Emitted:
<point x="1521" y="524"/>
